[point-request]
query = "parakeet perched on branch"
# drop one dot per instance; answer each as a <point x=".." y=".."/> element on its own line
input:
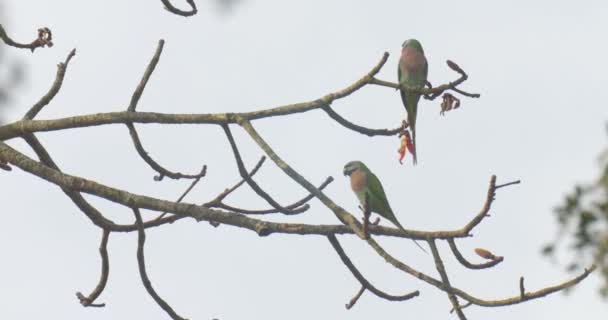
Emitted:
<point x="412" y="72"/>
<point x="366" y="185"/>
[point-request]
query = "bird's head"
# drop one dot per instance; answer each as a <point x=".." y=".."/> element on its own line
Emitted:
<point x="353" y="166"/>
<point x="412" y="43"/>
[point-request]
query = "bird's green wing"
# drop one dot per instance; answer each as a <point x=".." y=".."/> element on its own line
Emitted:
<point x="378" y="201"/>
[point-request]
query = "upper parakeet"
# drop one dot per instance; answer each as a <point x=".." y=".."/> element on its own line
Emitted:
<point x="412" y="71"/>
<point x="363" y="182"/>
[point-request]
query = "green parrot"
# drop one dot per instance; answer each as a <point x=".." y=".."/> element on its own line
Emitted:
<point x="363" y="182"/>
<point x="412" y="71"/>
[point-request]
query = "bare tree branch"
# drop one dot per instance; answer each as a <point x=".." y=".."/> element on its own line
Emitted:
<point x="146" y="77"/>
<point x="182" y="210"/>
<point x="19" y="128"/>
<point x="74" y="186"/>
<point x="466" y="263"/>
<point x="88" y="301"/>
<point x="432" y="93"/>
<point x="363" y="130"/>
<point x="354" y="300"/>
<point x="254" y="186"/>
<point x="169" y="7"/>
<point x="46" y="99"/>
<point x="445" y="280"/>
<point x="185" y="193"/>
<point x="44" y="39"/>
<point x="141" y="262"/>
<point x="292" y="206"/>
<point x="364" y="282"/>
<point x="162" y="172"/>
<point x="220" y="197"/>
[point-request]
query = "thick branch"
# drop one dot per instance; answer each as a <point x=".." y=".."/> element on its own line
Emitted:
<point x="88" y="301"/>
<point x="46" y="99"/>
<point x="20" y="128"/>
<point x="184" y="13"/>
<point x="364" y="282"/>
<point x="263" y="228"/>
<point x="141" y="262"/>
<point x="93" y="214"/>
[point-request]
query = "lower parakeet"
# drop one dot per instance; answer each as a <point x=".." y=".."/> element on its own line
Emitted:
<point x="366" y="185"/>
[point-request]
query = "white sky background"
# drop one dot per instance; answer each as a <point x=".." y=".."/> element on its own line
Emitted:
<point x="539" y="67"/>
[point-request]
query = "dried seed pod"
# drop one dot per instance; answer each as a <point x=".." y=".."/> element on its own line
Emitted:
<point x="454" y="66"/>
<point x="485" y="254"/>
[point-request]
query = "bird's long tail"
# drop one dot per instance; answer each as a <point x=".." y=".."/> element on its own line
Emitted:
<point x="414" y="154"/>
<point x="411" y="120"/>
<point x="402" y="228"/>
<point x="419" y="246"/>
<point x="410" y="101"/>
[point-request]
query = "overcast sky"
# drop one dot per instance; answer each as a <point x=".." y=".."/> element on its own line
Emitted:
<point x="540" y="67"/>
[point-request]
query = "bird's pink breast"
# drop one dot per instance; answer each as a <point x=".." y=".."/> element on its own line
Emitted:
<point x="411" y="59"/>
<point x="358" y="180"/>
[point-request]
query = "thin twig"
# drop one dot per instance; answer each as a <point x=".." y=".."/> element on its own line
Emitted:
<point x="294" y="205"/>
<point x="254" y="186"/>
<point x="468" y="264"/>
<point x="220" y="197"/>
<point x="44" y="39"/>
<point x="88" y="301"/>
<point x="162" y="172"/>
<point x="445" y="279"/>
<point x="468" y="304"/>
<point x="367" y="212"/>
<point x="340" y="213"/>
<point x="362" y="280"/>
<point x="429" y="92"/>
<point x="185" y="193"/>
<point x="144" y="80"/>
<point x="357" y="128"/>
<point x="141" y="239"/>
<point x="507" y="184"/>
<point x="169" y="7"/>
<point x="477" y="301"/>
<point x="354" y="300"/>
<point x="46" y="99"/>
